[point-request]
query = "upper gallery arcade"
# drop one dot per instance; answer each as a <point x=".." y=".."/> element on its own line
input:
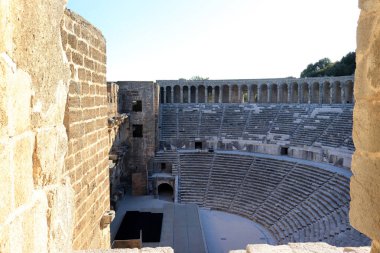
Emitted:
<point x="319" y="90"/>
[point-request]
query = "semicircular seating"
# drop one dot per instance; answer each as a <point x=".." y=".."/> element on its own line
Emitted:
<point x="295" y="201"/>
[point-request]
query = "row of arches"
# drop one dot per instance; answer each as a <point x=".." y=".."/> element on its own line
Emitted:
<point x="322" y="93"/>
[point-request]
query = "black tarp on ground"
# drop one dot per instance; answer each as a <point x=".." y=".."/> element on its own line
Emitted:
<point x="134" y="221"/>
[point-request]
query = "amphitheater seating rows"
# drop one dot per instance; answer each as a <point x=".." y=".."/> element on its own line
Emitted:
<point x="296" y="202"/>
<point x="299" y="125"/>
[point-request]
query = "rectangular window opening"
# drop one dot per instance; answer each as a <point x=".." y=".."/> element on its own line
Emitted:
<point x="284" y="150"/>
<point x="137" y="106"/>
<point x="137" y="131"/>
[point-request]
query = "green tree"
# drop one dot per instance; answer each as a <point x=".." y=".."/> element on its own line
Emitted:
<point x="198" y="78"/>
<point x="324" y="67"/>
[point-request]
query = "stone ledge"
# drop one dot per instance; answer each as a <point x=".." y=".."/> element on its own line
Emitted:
<point x="301" y="248"/>
<point x="143" y="250"/>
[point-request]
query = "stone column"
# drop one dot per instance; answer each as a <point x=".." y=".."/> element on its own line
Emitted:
<point x="213" y="95"/>
<point x="250" y="94"/>
<point x="239" y="94"/>
<point x="299" y="93"/>
<point x="278" y="93"/>
<point x="229" y="93"/>
<point x="290" y="93"/>
<point x="196" y="94"/>
<point x="259" y="93"/>
<point x="189" y="94"/>
<point x="165" y="96"/>
<point x="172" y="95"/>
<point x="181" y="94"/>
<point x="320" y="93"/>
<point x="206" y="94"/>
<point x="269" y="99"/>
<point x="220" y="94"/>
<point x="310" y="92"/>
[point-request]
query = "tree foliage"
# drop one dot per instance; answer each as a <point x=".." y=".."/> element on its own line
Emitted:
<point x="324" y="67"/>
<point x="198" y="78"/>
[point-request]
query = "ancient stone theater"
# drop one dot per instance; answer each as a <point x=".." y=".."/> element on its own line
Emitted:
<point x="146" y="166"/>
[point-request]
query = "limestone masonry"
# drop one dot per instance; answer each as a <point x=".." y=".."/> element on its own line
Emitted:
<point x="86" y="116"/>
<point x="71" y="145"/>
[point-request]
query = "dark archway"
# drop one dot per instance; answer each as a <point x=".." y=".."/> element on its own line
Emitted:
<point x="169" y="94"/>
<point x="225" y="94"/>
<point x="185" y="94"/>
<point x="217" y="94"/>
<point x="177" y="94"/>
<point x="165" y="192"/>
<point x="162" y="95"/>
<point x="192" y="94"/>
<point x="315" y="93"/>
<point x="201" y="94"/>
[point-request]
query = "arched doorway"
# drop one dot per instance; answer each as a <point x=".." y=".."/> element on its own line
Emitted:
<point x="165" y="192"/>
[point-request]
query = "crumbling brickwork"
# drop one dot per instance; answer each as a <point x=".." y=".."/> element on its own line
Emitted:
<point x="85" y="119"/>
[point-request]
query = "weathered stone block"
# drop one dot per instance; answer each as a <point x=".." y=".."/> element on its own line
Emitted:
<point x="365" y="204"/>
<point x="22" y="156"/>
<point x="51" y="148"/>
<point x="61" y="218"/>
<point x="6" y="182"/>
<point x="367" y="120"/>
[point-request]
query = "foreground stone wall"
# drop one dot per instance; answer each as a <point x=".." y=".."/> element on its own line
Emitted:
<point x="36" y="207"/>
<point x="365" y="183"/>
<point x="86" y="117"/>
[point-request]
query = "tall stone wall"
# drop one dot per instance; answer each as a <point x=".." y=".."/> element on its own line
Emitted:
<point x="141" y="149"/>
<point x="36" y="207"/>
<point x="365" y="183"/>
<point x="86" y="163"/>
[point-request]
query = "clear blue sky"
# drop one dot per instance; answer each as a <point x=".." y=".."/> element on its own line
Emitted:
<point x="219" y="39"/>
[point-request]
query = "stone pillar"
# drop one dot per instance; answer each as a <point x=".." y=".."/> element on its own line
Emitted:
<point x="230" y="94"/>
<point x="269" y="98"/>
<point x="239" y="94"/>
<point x="258" y="93"/>
<point x="189" y="94"/>
<point x="320" y="93"/>
<point x="206" y="94"/>
<point x="290" y="93"/>
<point x="250" y="94"/>
<point x="220" y="94"/>
<point x="310" y="92"/>
<point x="164" y="95"/>
<point x="196" y="94"/>
<point x="299" y="93"/>
<point x="213" y="95"/>
<point x="172" y="95"/>
<point x="278" y="93"/>
<point x="181" y="94"/>
<point x="365" y="181"/>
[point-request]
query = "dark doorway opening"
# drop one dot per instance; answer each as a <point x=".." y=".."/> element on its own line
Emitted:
<point x="284" y="150"/>
<point x="149" y="223"/>
<point x="198" y="145"/>
<point x="165" y="192"/>
<point x="163" y="166"/>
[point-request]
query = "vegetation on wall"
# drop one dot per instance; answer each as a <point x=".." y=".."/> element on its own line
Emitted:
<point x="324" y="67"/>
